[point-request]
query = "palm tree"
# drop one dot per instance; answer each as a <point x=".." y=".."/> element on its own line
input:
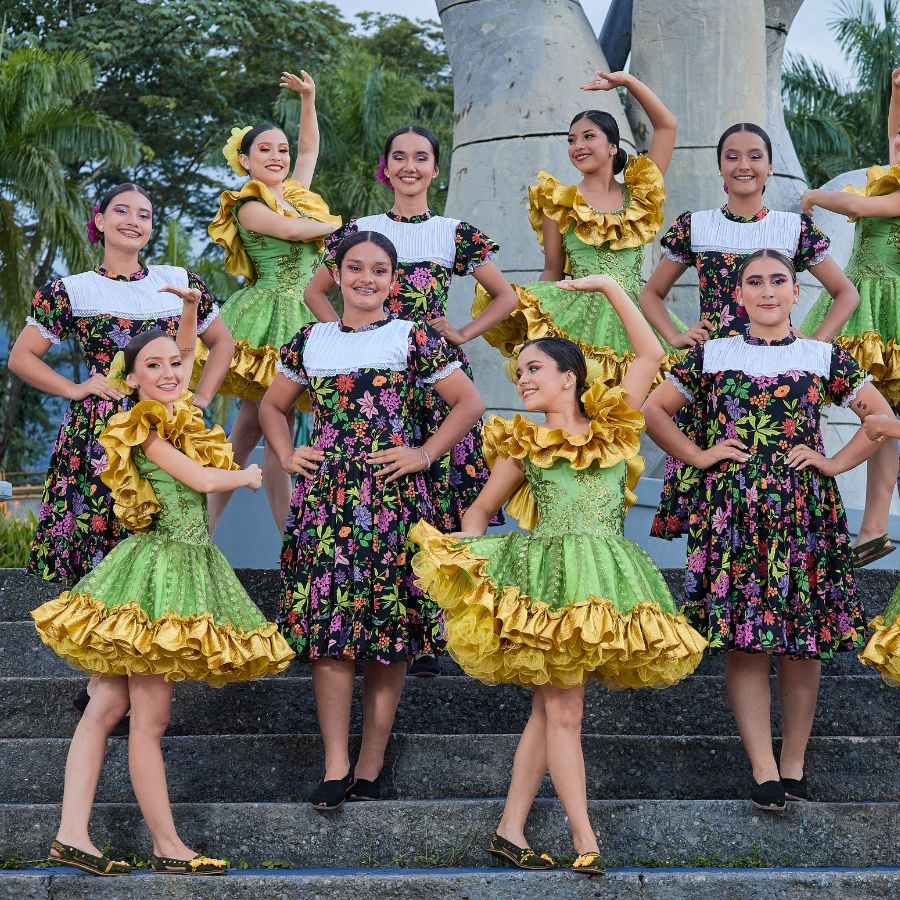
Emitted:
<point x="837" y="127"/>
<point x="51" y="148"/>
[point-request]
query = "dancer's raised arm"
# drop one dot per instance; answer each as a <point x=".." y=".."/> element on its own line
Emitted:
<point x="308" y="137"/>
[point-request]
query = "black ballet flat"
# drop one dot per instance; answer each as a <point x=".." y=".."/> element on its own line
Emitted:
<point x="80" y="702"/>
<point x="768" y="796"/>
<point x="794" y="789"/>
<point x="330" y="795"/>
<point x="424" y="667"/>
<point x="363" y="790"/>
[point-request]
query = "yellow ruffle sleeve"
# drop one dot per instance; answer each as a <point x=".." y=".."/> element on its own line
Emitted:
<point x="134" y="502"/>
<point x="879" y="181"/>
<point x="635" y="224"/>
<point x="223" y="228"/>
<point x="613" y="436"/>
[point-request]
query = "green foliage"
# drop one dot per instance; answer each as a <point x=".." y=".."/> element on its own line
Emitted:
<point x="837" y="127"/>
<point x="16" y="535"/>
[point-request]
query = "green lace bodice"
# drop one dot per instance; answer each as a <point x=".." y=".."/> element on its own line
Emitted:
<point x="623" y="265"/>
<point x="588" y="501"/>
<point x="183" y="514"/>
<point x="876" y="249"/>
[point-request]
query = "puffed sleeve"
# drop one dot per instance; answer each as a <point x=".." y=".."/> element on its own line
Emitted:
<point x="473" y="249"/>
<point x="207" y="308"/>
<point x="846" y="377"/>
<point x="430" y="356"/>
<point x="676" y="242"/>
<point x="290" y="361"/>
<point x="813" y="245"/>
<point x="51" y="312"/>
<point x="686" y="374"/>
<point x="333" y="241"/>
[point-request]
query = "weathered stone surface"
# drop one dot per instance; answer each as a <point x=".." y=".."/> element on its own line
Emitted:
<point x="848" y="705"/>
<point x="246" y="768"/>
<point x="454" y="832"/>
<point x="471" y="884"/>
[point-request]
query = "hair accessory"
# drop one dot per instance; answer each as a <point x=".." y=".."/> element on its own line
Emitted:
<point x="93" y="232"/>
<point x="381" y="173"/>
<point x="115" y="378"/>
<point x="232" y="149"/>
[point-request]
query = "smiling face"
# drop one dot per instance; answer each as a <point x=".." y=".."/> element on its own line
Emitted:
<point x="540" y="383"/>
<point x="410" y="164"/>
<point x="744" y="164"/>
<point x="589" y="148"/>
<point x="269" y="157"/>
<point x="365" y="278"/>
<point x="158" y="373"/>
<point x="768" y="292"/>
<point x="126" y="223"/>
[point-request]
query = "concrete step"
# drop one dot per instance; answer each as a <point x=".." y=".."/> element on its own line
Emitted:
<point x="649" y="834"/>
<point x="470" y="883"/>
<point x="848" y="705"/>
<point x="20" y="593"/>
<point x="25" y="656"/>
<point x="286" y="768"/>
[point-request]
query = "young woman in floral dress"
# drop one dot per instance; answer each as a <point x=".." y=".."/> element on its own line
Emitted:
<point x="769" y="562"/>
<point x="715" y="242"/>
<point x="872" y="335"/>
<point x="103" y="309"/>
<point x="347" y="590"/>
<point x="272" y="230"/>
<point x="599" y="226"/>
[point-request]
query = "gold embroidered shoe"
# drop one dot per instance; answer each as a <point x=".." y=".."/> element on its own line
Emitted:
<point x="87" y="862"/>
<point x="199" y="865"/>
<point x="521" y="857"/>
<point x="589" y="864"/>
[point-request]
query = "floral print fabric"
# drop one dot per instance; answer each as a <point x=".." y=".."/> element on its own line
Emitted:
<point x="768" y="565"/>
<point x="76" y="524"/>
<point x="347" y="588"/>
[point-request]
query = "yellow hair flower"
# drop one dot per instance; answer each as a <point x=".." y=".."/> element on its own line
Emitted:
<point x="115" y="378"/>
<point x="232" y="149"/>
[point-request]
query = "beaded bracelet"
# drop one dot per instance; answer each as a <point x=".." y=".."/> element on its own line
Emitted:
<point x="427" y="458"/>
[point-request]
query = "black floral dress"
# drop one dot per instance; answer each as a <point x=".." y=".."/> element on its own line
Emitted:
<point x="768" y="565"/>
<point x="431" y="250"/>
<point x="716" y="242"/>
<point x="103" y="311"/>
<point x="347" y="588"/>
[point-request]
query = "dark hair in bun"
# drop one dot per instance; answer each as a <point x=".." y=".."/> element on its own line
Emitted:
<point x="608" y="125"/>
<point x="568" y="358"/>
<point x="365" y="237"/>
<point x="254" y="133"/>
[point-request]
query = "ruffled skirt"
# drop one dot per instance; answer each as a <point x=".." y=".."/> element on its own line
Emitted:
<point x="156" y="606"/>
<point x="882" y="652"/>
<point x="535" y="610"/>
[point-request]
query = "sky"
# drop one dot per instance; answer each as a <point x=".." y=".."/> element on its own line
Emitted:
<point x="809" y="36"/>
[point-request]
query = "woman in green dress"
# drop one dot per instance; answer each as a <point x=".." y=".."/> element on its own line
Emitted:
<point x="272" y="230"/>
<point x="162" y="606"/>
<point x="599" y="226"/>
<point x="872" y="334"/>
<point x="574" y="599"/>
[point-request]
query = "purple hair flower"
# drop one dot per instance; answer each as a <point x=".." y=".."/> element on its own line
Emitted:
<point x="381" y="174"/>
<point x="93" y="232"/>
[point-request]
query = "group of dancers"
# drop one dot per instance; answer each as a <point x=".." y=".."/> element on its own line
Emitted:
<point x="386" y="559"/>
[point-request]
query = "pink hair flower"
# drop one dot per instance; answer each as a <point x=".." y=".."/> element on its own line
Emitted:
<point x="381" y="174"/>
<point x="93" y="232"/>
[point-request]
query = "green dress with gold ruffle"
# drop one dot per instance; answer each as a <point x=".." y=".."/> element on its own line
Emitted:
<point x="574" y="598"/>
<point x="164" y="601"/>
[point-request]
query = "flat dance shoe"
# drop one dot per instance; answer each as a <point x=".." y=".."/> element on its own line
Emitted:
<point x="870" y="551"/>
<point x="199" y="865"/>
<point x="424" y="667"/>
<point x="330" y="795"/>
<point x="794" y="789"/>
<point x="768" y="796"/>
<point x="520" y="857"/>
<point x="87" y="862"/>
<point x="589" y="864"/>
<point x="80" y="702"/>
<point x="363" y="789"/>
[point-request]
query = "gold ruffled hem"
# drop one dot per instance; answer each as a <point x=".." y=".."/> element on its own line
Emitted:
<point x="501" y="635"/>
<point x="633" y="225"/>
<point x="134" y="501"/>
<point x="882" y="651"/>
<point x="881" y="359"/>
<point x="879" y="181"/>
<point x="250" y="373"/>
<point x="121" y="640"/>
<point x="224" y="232"/>
<point x="509" y="335"/>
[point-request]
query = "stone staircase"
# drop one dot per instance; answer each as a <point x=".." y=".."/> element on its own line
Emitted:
<point x="666" y="774"/>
